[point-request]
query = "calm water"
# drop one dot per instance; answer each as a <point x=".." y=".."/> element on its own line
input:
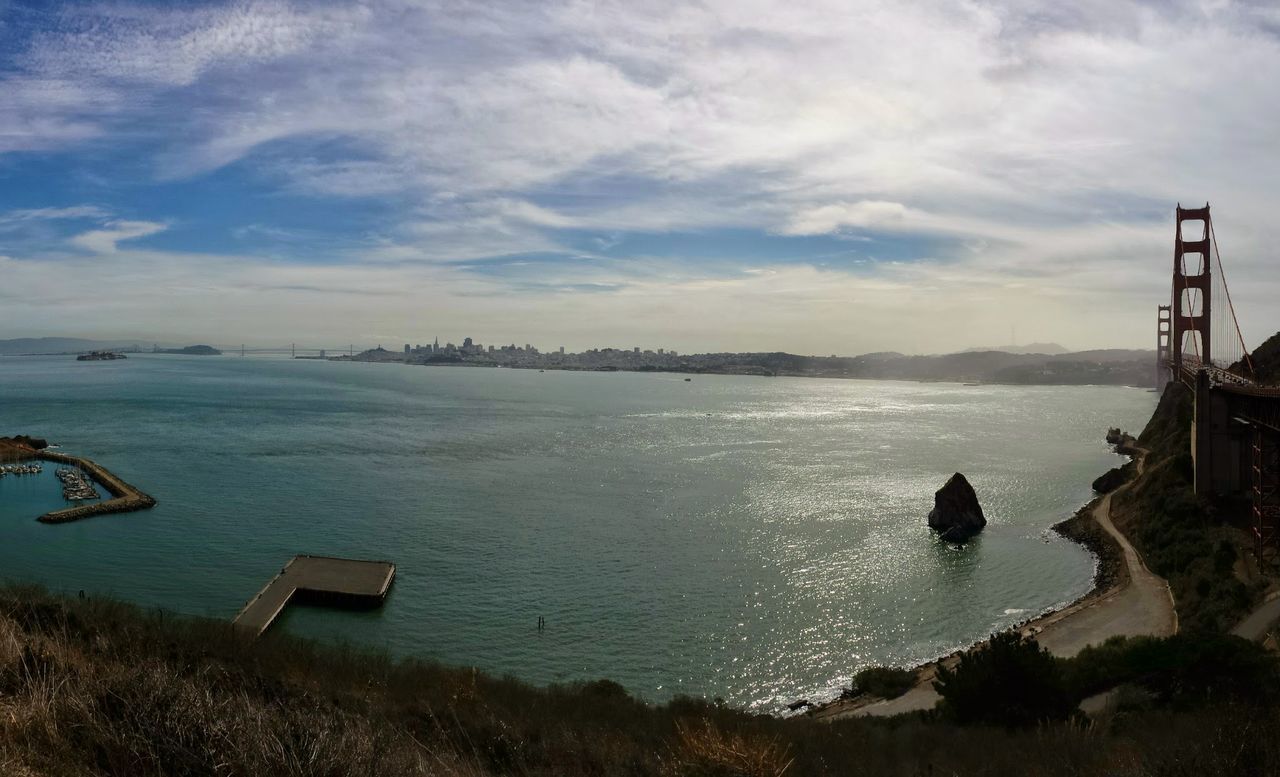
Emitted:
<point x="751" y="538"/>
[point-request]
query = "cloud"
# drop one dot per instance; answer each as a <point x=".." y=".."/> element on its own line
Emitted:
<point x="23" y="215"/>
<point x="176" y="47"/>
<point x="103" y="241"/>
<point x="1034" y="143"/>
<point x="833" y="218"/>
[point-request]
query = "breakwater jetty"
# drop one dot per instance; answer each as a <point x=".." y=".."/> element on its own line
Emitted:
<point x="342" y="582"/>
<point x="125" y="498"/>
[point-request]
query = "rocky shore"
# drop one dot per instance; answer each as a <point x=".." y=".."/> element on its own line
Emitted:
<point x="1111" y="577"/>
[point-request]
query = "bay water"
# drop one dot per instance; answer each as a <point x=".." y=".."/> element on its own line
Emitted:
<point x="753" y="539"/>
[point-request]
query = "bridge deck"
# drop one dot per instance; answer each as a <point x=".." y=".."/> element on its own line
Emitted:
<point x="336" y="580"/>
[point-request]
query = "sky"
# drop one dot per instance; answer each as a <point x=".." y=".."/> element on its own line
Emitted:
<point x="741" y="175"/>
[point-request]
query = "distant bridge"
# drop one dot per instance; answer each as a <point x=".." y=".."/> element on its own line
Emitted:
<point x="292" y="349"/>
<point x="1235" y="435"/>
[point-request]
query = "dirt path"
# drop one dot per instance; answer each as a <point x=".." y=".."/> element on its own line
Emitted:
<point x="1256" y="624"/>
<point x="1141" y="606"/>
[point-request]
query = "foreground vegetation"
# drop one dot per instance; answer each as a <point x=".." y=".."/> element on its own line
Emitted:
<point x="97" y="687"/>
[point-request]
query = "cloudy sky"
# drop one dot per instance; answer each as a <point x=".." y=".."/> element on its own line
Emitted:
<point x="818" y="177"/>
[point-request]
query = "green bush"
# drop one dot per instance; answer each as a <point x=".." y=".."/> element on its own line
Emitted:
<point x="1009" y="682"/>
<point x="1187" y="668"/>
<point x="884" y="681"/>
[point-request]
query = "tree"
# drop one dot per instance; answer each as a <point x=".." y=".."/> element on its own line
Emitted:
<point x="1010" y="681"/>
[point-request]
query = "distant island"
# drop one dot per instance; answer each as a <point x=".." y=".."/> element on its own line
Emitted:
<point x="191" y="350"/>
<point x="1119" y="367"/>
<point x="100" y="356"/>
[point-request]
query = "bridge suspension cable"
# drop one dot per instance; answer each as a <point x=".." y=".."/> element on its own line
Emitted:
<point x="1237" y="346"/>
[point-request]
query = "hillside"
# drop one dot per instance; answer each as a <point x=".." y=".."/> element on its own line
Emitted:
<point x="1114" y="367"/>
<point x="1185" y="539"/>
<point x="1048" y="349"/>
<point x="1201" y="546"/>
<point x="25" y="346"/>
<point x="94" y="687"/>
<point x="1266" y="360"/>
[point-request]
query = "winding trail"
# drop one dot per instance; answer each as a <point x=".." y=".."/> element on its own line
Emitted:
<point x="1141" y="606"/>
<point x="1257" y="625"/>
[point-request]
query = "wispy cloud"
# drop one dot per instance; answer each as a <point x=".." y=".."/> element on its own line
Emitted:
<point x="103" y="241"/>
<point x="25" y="215"/>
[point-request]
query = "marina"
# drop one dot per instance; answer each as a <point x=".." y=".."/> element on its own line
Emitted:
<point x="76" y="486"/>
<point x="20" y="469"/>
<point x="78" y="477"/>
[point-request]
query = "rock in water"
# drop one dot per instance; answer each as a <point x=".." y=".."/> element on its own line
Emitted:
<point x="956" y="512"/>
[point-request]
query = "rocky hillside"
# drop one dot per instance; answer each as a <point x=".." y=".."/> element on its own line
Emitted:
<point x="1266" y="360"/>
<point x="1192" y="542"/>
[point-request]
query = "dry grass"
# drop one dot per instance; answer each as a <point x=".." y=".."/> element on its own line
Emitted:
<point x="703" y="750"/>
<point x="99" y="688"/>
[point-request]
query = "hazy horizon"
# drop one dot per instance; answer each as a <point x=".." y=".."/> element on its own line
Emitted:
<point x="309" y="344"/>
<point x="813" y="178"/>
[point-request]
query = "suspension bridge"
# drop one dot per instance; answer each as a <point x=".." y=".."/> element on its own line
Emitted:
<point x="292" y="349"/>
<point x="1235" y="434"/>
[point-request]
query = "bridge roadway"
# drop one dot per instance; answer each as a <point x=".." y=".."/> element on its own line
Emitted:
<point x="1250" y="401"/>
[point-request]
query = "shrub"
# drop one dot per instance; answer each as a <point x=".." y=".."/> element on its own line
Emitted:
<point x="1182" y="669"/>
<point x="1011" y="681"/>
<point x="884" y="681"/>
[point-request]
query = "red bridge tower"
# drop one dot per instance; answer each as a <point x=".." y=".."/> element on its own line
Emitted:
<point x="1190" y="288"/>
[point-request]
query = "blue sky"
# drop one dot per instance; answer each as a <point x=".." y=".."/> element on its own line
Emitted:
<point x="820" y="177"/>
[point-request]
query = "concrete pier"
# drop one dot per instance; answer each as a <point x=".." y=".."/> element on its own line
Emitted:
<point x="318" y="579"/>
<point x="125" y="498"/>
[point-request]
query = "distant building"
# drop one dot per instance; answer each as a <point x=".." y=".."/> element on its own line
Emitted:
<point x="636" y="349"/>
<point x="562" y="350"/>
<point x="466" y="343"/>
<point x="407" y="349"/>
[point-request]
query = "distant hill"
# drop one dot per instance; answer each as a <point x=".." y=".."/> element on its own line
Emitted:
<point x="193" y="350"/>
<point x="1049" y="349"/>
<point x="24" y="346"/>
<point x="1266" y="360"/>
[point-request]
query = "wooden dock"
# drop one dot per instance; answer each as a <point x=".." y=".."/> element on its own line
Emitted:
<point x="342" y="582"/>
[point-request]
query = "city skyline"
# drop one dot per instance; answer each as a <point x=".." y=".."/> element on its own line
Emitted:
<point x="818" y="178"/>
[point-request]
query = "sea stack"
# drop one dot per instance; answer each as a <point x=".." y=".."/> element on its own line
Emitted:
<point x="956" y="512"/>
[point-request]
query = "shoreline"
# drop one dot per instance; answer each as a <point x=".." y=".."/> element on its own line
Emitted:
<point x="1109" y="578"/>
<point x="743" y="373"/>
<point x="1112" y="578"/>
